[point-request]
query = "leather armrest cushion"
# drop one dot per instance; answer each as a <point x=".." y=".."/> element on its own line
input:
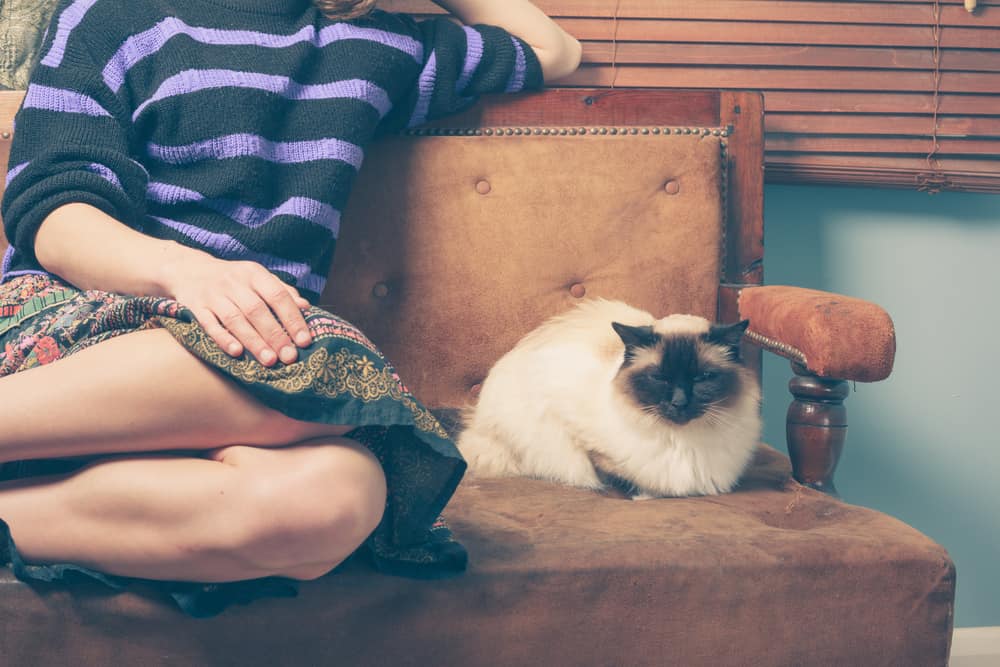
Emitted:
<point x="831" y="335"/>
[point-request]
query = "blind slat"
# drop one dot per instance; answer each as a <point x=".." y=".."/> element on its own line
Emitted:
<point x="833" y="124"/>
<point x="741" y="78"/>
<point x="665" y="53"/>
<point x="752" y="10"/>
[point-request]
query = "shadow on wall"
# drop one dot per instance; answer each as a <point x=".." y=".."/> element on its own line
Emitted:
<point x="922" y="446"/>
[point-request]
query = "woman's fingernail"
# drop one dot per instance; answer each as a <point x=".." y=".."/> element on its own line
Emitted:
<point x="234" y="349"/>
<point x="267" y="356"/>
<point x="288" y="354"/>
<point x="302" y="339"/>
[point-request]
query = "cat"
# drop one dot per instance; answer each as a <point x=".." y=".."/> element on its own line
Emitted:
<point x="606" y="391"/>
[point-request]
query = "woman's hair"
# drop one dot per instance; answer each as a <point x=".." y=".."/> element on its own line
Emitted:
<point x="345" y="9"/>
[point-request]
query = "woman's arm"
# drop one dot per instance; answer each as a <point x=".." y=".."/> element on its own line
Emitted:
<point x="558" y="52"/>
<point x="239" y="304"/>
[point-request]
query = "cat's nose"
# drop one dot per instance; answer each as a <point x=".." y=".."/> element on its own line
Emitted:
<point x="679" y="398"/>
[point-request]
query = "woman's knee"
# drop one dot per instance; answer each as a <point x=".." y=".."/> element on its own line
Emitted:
<point x="310" y="506"/>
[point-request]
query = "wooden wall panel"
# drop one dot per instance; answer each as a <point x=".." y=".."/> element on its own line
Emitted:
<point x="903" y="93"/>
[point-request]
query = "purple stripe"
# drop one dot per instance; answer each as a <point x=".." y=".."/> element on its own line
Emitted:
<point x="59" y="99"/>
<point x="473" y="56"/>
<point x="249" y="216"/>
<point x="13" y="172"/>
<point x="426" y="87"/>
<point x="142" y="45"/>
<point x="68" y="21"/>
<point x="193" y="80"/>
<point x="227" y="247"/>
<point x="105" y="173"/>
<point x="253" y="145"/>
<point x="8" y="257"/>
<point x="516" y="82"/>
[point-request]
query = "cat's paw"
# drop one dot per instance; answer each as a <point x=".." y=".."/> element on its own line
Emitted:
<point x="643" y="496"/>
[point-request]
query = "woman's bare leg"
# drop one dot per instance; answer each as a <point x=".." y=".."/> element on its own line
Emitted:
<point x="139" y="392"/>
<point x="244" y="513"/>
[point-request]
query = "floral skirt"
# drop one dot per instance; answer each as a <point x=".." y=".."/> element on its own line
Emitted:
<point x="341" y="378"/>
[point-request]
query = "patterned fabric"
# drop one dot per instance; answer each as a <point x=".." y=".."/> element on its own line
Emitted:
<point x="341" y="378"/>
<point x="22" y="24"/>
<point x="234" y="126"/>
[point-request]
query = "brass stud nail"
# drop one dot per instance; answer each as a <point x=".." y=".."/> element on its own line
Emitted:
<point x="614" y="130"/>
<point x="489" y="132"/>
<point x="604" y="130"/>
<point x="716" y="132"/>
<point x="593" y="130"/>
<point x="645" y="130"/>
<point x="634" y="131"/>
<point x="509" y="132"/>
<point x="5" y="135"/>
<point x="656" y="130"/>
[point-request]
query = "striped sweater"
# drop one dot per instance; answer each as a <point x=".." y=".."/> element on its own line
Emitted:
<point x="234" y="126"/>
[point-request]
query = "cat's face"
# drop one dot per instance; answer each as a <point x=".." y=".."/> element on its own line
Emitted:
<point x="681" y="377"/>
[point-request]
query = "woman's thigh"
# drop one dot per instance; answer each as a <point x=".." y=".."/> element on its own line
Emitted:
<point x="137" y="392"/>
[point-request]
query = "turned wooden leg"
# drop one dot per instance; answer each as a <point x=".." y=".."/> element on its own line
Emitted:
<point x="816" y="427"/>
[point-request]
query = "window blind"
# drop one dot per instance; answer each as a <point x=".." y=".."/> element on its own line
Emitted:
<point x="903" y="93"/>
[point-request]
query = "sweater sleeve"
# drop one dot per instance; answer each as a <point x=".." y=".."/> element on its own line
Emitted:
<point x="71" y="138"/>
<point x="460" y="63"/>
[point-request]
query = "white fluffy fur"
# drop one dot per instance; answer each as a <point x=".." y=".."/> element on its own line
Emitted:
<point x="551" y="402"/>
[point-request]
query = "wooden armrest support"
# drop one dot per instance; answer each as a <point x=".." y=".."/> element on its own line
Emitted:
<point x="829" y="339"/>
<point x="831" y="335"/>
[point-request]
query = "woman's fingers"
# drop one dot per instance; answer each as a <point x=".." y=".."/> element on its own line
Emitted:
<point x="217" y="332"/>
<point x="247" y="321"/>
<point x="281" y="298"/>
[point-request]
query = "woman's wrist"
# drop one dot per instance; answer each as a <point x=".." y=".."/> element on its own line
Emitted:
<point x="558" y="52"/>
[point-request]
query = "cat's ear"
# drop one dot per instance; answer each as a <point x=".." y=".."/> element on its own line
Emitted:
<point x="634" y="336"/>
<point x="729" y="336"/>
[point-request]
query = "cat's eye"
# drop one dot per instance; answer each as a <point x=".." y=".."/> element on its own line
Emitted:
<point x="705" y="376"/>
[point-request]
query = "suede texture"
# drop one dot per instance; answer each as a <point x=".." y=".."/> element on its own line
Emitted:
<point x="452" y="248"/>
<point x="446" y="259"/>
<point x="773" y="574"/>
<point x="840" y="337"/>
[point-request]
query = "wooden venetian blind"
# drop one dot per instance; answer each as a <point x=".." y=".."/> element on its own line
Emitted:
<point x="903" y="93"/>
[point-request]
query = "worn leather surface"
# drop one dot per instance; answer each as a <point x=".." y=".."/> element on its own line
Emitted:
<point x="773" y="574"/>
<point x="841" y="337"/>
<point x="468" y="243"/>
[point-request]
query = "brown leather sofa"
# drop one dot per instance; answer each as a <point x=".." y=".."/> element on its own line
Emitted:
<point x="484" y="226"/>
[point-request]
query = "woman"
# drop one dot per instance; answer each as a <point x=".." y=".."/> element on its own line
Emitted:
<point x="172" y="206"/>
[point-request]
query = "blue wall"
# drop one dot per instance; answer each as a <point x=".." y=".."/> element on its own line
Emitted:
<point x="924" y="445"/>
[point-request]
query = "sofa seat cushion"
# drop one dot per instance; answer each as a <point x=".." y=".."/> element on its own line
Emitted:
<point x="561" y="576"/>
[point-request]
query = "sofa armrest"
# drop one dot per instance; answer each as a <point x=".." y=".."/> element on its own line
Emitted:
<point x="832" y="336"/>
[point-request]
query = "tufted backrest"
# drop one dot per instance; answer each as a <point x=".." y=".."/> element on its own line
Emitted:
<point x="461" y="238"/>
<point x="453" y="247"/>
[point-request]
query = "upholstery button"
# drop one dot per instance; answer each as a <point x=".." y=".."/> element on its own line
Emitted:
<point x="672" y="187"/>
<point x="5" y="135"/>
<point x="578" y="291"/>
<point x="380" y="291"/>
<point x="483" y="187"/>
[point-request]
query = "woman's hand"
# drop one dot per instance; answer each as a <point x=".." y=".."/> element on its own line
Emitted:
<point x="242" y="305"/>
